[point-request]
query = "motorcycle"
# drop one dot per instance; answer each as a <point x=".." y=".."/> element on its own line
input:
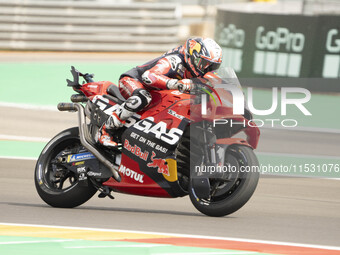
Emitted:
<point x="170" y="149"/>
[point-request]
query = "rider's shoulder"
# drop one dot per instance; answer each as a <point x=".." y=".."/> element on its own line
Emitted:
<point x="174" y="61"/>
<point x="174" y="58"/>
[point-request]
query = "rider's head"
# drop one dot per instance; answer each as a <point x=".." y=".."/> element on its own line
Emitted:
<point x="202" y="55"/>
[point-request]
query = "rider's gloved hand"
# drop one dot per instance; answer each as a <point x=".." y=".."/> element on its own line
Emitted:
<point x="185" y="85"/>
<point x="114" y="121"/>
<point x="172" y="84"/>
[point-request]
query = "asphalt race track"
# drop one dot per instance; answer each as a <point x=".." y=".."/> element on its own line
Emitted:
<point x="283" y="209"/>
<point x="300" y="210"/>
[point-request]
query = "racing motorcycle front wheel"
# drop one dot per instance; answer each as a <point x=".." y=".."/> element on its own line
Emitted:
<point x="230" y="195"/>
<point x="55" y="183"/>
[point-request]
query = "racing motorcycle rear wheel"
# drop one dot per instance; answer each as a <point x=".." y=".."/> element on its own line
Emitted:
<point x="229" y="196"/>
<point x="55" y="184"/>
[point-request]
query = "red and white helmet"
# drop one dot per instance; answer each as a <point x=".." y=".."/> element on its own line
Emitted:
<point x="202" y="55"/>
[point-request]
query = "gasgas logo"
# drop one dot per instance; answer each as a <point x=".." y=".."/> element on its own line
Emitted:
<point x="159" y="130"/>
<point x="278" y="52"/>
<point x="331" y="65"/>
<point x="231" y="40"/>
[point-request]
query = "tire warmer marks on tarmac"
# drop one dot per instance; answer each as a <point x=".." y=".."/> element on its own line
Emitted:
<point x="35" y="239"/>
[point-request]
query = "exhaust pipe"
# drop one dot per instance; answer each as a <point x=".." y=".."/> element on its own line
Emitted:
<point x="84" y="142"/>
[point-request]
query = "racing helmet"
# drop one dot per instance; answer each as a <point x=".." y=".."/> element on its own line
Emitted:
<point x="202" y="55"/>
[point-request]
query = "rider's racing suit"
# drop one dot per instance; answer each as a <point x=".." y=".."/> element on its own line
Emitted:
<point x="160" y="73"/>
<point x="164" y="72"/>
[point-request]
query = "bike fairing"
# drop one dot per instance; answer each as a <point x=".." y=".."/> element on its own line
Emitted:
<point x="151" y="138"/>
<point x="150" y="134"/>
<point x="159" y="135"/>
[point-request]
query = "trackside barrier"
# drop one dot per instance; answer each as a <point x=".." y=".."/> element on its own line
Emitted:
<point x="88" y="26"/>
<point x="294" y="46"/>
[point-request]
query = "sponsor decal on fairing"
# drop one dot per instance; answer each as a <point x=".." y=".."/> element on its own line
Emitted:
<point x="175" y="114"/>
<point x="159" y="130"/>
<point x="160" y="164"/>
<point x="134" y="149"/>
<point x="131" y="174"/>
<point x="80" y="157"/>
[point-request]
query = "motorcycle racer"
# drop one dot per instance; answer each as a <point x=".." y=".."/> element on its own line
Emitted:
<point x="175" y="69"/>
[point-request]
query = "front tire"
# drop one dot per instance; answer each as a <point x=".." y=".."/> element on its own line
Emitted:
<point x="231" y="196"/>
<point x="57" y="186"/>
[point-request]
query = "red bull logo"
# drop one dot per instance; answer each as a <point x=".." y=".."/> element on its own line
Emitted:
<point x="136" y="150"/>
<point x="160" y="164"/>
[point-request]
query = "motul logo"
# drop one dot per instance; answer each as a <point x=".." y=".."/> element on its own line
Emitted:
<point x="130" y="173"/>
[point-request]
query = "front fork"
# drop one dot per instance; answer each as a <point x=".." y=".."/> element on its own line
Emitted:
<point x="209" y="140"/>
<point x="205" y="184"/>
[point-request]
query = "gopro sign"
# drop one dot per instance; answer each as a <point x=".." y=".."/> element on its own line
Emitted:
<point x="278" y="52"/>
<point x="232" y="40"/>
<point x="331" y="66"/>
<point x="281" y="38"/>
<point x="281" y="45"/>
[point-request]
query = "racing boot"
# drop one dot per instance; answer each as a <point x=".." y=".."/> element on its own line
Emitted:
<point x="115" y="121"/>
<point x="104" y="137"/>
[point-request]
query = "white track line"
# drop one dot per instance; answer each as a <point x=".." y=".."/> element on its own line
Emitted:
<point x="305" y="129"/>
<point x="29" y="106"/>
<point x="38" y="241"/>
<point x="294" y="155"/>
<point x="24" y="138"/>
<point x="325" y="247"/>
<point x="275" y="175"/>
<point x="18" y="158"/>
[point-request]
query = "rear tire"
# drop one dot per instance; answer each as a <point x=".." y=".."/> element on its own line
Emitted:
<point x="46" y="180"/>
<point x="231" y="196"/>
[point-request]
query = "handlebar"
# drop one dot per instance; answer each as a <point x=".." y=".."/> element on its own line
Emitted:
<point x="75" y="73"/>
<point x="87" y="77"/>
<point x="199" y="88"/>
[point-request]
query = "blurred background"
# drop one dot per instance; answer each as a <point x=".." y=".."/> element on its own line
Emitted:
<point x="272" y="38"/>
<point x="133" y="25"/>
<point x="269" y="44"/>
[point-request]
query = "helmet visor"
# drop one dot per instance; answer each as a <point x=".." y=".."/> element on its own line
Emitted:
<point x="204" y="65"/>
